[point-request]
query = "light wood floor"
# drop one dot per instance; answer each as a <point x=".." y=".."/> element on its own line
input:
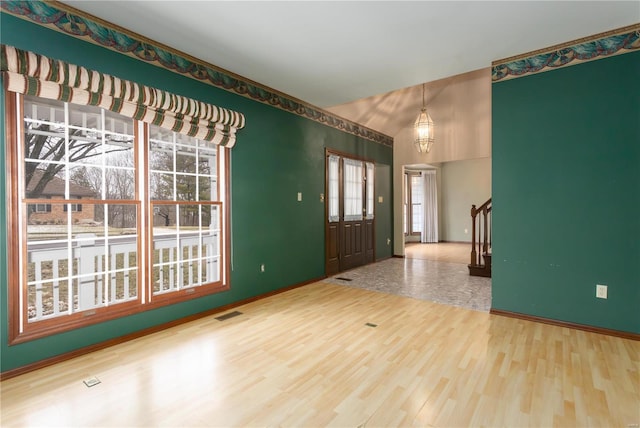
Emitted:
<point x="307" y="358"/>
<point x="451" y="252"/>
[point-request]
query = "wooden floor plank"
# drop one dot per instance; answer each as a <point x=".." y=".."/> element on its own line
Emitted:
<point x="307" y="357"/>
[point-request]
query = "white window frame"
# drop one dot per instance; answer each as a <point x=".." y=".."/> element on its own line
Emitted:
<point x="23" y="326"/>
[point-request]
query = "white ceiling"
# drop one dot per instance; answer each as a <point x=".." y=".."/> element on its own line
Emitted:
<point x="331" y="53"/>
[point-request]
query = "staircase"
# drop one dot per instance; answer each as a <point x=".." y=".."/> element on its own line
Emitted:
<point x="481" y="240"/>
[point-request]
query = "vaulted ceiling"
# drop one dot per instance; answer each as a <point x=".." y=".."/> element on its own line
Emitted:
<point x="334" y="53"/>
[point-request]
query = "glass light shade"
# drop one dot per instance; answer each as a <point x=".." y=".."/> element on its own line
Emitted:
<point x="423" y="132"/>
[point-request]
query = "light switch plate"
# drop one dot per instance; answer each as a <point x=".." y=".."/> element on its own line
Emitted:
<point x="601" y="291"/>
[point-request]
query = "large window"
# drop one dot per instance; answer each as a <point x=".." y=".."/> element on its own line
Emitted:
<point x="413" y="209"/>
<point x="186" y="211"/>
<point x="150" y="229"/>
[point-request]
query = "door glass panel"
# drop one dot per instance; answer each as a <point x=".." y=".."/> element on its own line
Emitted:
<point x="334" y="189"/>
<point x="352" y="174"/>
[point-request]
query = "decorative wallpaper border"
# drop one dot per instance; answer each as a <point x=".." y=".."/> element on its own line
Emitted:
<point x="598" y="46"/>
<point x="71" y="21"/>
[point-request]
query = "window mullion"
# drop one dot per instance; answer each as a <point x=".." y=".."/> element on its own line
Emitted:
<point x="107" y="269"/>
<point x="20" y="196"/>
<point x="199" y="208"/>
<point x="69" y="277"/>
<point x="222" y="175"/>
<point x="141" y="144"/>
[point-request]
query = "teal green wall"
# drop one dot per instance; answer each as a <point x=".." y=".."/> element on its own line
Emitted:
<point x="566" y="193"/>
<point x="278" y="154"/>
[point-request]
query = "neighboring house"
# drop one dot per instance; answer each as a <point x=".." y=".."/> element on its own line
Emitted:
<point x="46" y="213"/>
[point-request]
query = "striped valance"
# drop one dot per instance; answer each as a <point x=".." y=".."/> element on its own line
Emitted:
<point x="29" y="73"/>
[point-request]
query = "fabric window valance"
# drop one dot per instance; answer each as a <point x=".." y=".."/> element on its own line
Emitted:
<point x="33" y="74"/>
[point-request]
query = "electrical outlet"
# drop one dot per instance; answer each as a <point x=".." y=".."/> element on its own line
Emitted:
<point x="466" y="231"/>
<point x="388" y="241"/>
<point x="299" y="196"/>
<point x="601" y="291"/>
<point x="262" y="267"/>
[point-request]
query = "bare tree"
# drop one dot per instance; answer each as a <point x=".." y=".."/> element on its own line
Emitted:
<point x="45" y="145"/>
<point x="187" y="187"/>
<point x="119" y="184"/>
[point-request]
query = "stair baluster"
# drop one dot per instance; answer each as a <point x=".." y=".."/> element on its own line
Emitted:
<point x="481" y="234"/>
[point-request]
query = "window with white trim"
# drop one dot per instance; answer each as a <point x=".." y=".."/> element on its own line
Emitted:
<point x="186" y="234"/>
<point x="412" y="204"/>
<point x="152" y="227"/>
<point x="70" y="267"/>
<point x="41" y="208"/>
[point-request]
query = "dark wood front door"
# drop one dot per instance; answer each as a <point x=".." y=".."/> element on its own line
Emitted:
<point x="349" y="219"/>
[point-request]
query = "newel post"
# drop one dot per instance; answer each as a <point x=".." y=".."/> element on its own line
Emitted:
<point x="473" y="235"/>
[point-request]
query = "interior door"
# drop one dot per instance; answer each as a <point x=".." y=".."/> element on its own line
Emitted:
<point x="349" y="222"/>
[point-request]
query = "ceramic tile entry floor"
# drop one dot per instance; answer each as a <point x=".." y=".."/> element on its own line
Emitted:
<point x="435" y="281"/>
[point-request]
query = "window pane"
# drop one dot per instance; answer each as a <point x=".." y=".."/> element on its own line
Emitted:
<point x="164" y="219"/>
<point x="352" y="173"/>
<point x="333" y="197"/>
<point x="86" y="119"/>
<point x="76" y="263"/>
<point x="44" y="129"/>
<point x="186" y="187"/>
<point x="45" y="180"/>
<point x="370" y="190"/>
<point x="166" y="255"/>
<point x="186" y="160"/>
<point x="161" y="156"/>
<point x="120" y="183"/>
<point x="165" y="248"/>
<point x="186" y="246"/>
<point x="416" y="218"/>
<point x="162" y="186"/>
<point x="404" y="217"/>
<point x="87" y="181"/>
<point x="416" y="189"/>
<point x="416" y="203"/>
<point x="185" y="237"/>
<point x="212" y="214"/>
<point x="47" y="268"/>
<point x="207" y="189"/>
<point x="119" y="140"/>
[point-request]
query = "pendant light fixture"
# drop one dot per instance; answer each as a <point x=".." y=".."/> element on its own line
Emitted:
<point x="423" y="129"/>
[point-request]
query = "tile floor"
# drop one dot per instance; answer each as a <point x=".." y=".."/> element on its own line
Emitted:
<point x="436" y="281"/>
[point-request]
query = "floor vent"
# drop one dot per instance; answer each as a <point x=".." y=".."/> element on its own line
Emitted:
<point x="344" y="279"/>
<point x="92" y="381"/>
<point x="229" y="315"/>
<point x="369" y="324"/>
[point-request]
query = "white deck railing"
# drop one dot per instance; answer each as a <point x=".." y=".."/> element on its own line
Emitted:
<point x="102" y="277"/>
